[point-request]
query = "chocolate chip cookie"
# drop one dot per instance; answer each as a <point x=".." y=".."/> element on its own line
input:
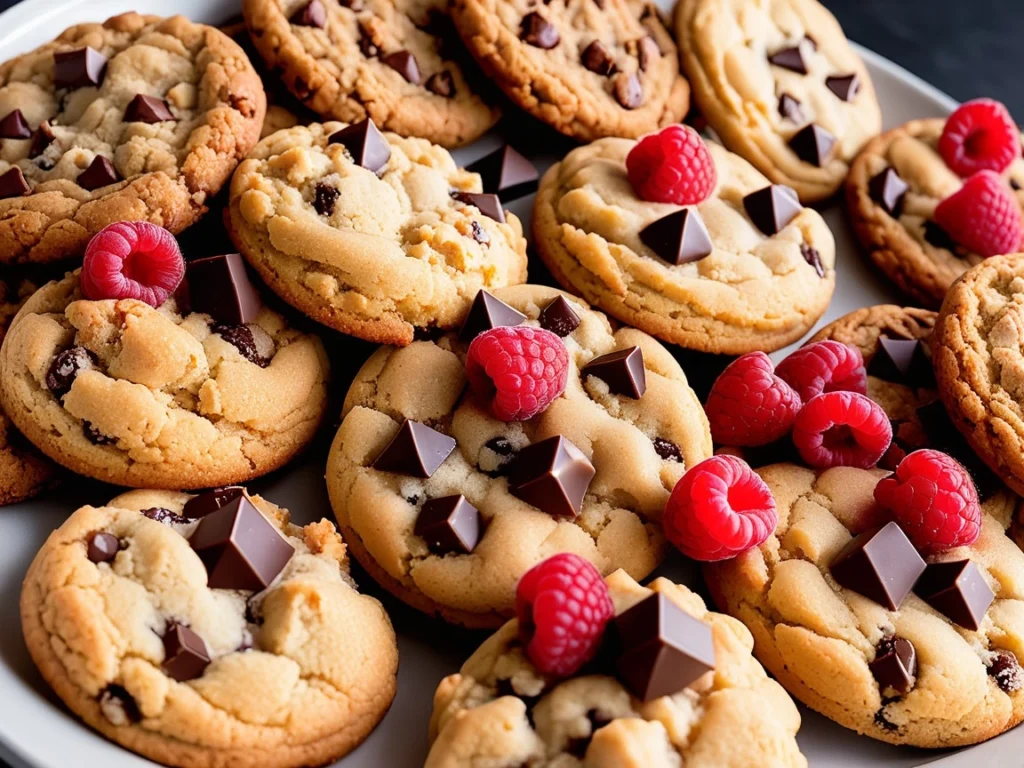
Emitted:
<point x="588" y="69"/>
<point x="747" y="269"/>
<point x="173" y="635"/>
<point x="499" y="709"/>
<point x="371" y="234"/>
<point x="781" y="86"/>
<point x="447" y="507"/>
<point x="143" y="397"/>
<point x="138" y="118"/>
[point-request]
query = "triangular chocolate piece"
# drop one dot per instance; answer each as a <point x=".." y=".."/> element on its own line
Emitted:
<point x="559" y="317"/>
<point x="486" y="313"/>
<point x="552" y="475"/>
<point x="813" y="144"/>
<point x="506" y="173"/>
<point x="880" y="564"/>
<point x="678" y="238"/>
<point x="219" y="286"/>
<point x="13" y="184"/>
<point x="889" y="191"/>
<point x="312" y="14"/>
<point x="958" y="591"/>
<point x="489" y="205"/>
<point x="15" y="126"/>
<point x="902" y="361"/>
<point x="366" y="145"/>
<point x="207" y="503"/>
<point x="186" y="656"/>
<point x="791" y="59"/>
<point x="147" y="109"/>
<point x="405" y="64"/>
<point x="772" y="207"/>
<point x="416" y="450"/>
<point x="41" y="139"/>
<point x="791" y="109"/>
<point x="100" y="173"/>
<point x="623" y="371"/>
<point x="845" y="87"/>
<point x="895" y="666"/>
<point x="449" y="524"/>
<point x="79" y="68"/>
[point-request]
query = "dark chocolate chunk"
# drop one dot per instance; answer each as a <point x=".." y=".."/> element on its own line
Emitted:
<point x="505" y="452"/>
<point x="13" y="184"/>
<point x="489" y="205"/>
<point x="791" y="59"/>
<point x="312" y="14"/>
<point x="219" y="286"/>
<point x="628" y="91"/>
<point x="895" y="665"/>
<point x="647" y="52"/>
<point x="103" y="547"/>
<point x="478" y="233"/>
<point x="367" y="145"/>
<point x="118" y="706"/>
<point x="78" y="68"/>
<point x="889" y="191"/>
<point x="813" y="144"/>
<point x="598" y="59"/>
<point x="147" y="109"/>
<point x="165" y="516"/>
<point x="506" y="173"/>
<point x="15" y="126"/>
<point x="660" y="649"/>
<point x="405" y="64"/>
<point x="845" y="87"/>
<point x="678" y="238"/>
<point x="325" y="197"/>
<point x="812" y="257"/>
<point x="1006" y="671"/>
<point x="772" y="207"/>
<point x="880" y="564"/>
<point x="957" y="590"/>
<point x="668" y="450"/>
<point x="449" y="524"/>
<point x="209" y="502"/>
<point x="100" y="173"/>
<point x="944" y="436"/>
<point x="552" y="475"/>
<point x="559" y="317"/>
<point x="41" y="139"/>
<point x="442" y="84"/>
<point x="486" y="313"/>
<point x="240" y="548"/>
<point x="902" y="361"/>
<point x="65" y="368"/>
<point x="94" y="436"/>
<point x="623" y="371"/>
<point x="538" y="31"/>
<point x="241" y="338"/>
<point x="186" y="656"/>
<point x="416" y="450"/>
<point x="791" y="109"/>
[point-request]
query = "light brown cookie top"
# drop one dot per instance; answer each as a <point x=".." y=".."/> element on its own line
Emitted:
<point x="86" y="152"/>
<point x="902" y="240"/>
<point x="764" y="73"/>
<point x="136" y="396"/>
<point x="754" y="291"/>
<point x="389" y="60"/>
<point x="818" y="638"/>
<point x="588" y="69"/>
<point x="499" y="709"/>
<point x="638" y="447"/>
<point x="374" y="253"/>
<point x="299" y="672"/>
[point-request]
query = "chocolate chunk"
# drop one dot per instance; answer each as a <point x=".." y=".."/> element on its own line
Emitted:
<point x="506" y="173"/>
<point x="100" y="173"/>
<point x="772" y="207"/>
<point x="538" y="31"/>
<point x="416" y="450"/>
<point x="668" y="450"/>
<point x="628" y="91"/>
<point x="442" y="84"/>
<point x="1005" y="670"/>
<point x="623" y="371"/>
<point x="489" y="205"/>
<point x="791" y="109"/>
<point x="889" y="191"/>
<point x="209" y="502"/>
<point x="660" y="649"/>
<point x="559" y="317"/>
<point x="13" y="184"/>
<point x="103" y="547"/>
<point x="14" y="126"/>
<point x="366" y="145"/>
<point x="118" y="706"/>
<point x="678" y="238"/>
<point x="79" y="68"/>
<point x="94" y="436"/>
<point x="791" y="59"/>
<point x="812" y="257"/>
<point x="449" y="524"/>
<point x="219" y="286"/>
<point x="369" y="48"/>
<point x="902" y="361"/>
<point x="325" y="197"/>
<point x="505" y="453"/>
<point x="486" y="313"/>
<point x="312" y="14"/>
<point x="164" y="516"/>
<point x="147" y="109"/>
<point x="895" y="666"/>
<point x="957" y="590"/>
<point x="405" y="64"/>
<point x="944" y="436"/>
<point x="647" y="51"/>
<point x="186" y="656"/>
<point x="65" y="368"/>
<point x="478" y="233"/>
<point x="940" y="238"/>
<point x="242" y="339"/>
<point x="813" y="144"/>
<point x="41" y="139"/>
<point x="880" y="564"/>
<point x="845" y="87"/>
<point x="552" y="475"/>
<point x="598" y="59"/>
<point x="240" y="548"/>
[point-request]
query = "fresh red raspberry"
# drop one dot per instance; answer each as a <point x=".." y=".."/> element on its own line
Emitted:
<point x="980" y="135"/>
<point x="934" y="500"/>
<point x="132" y="260"/>
<point x="672" y="166"/>
<point x="719" y="509"/>
<point x="563" y="606"/>
<point x="983" y="215"/>
<point x="825" y="366"/>
<point x="842" y="429"/>
<point x="749" y="405"/>
<point x="519" y="371"/>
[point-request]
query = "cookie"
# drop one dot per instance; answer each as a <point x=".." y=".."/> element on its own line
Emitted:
<point x="500" y="710"/>
<point x="387" y="60"/>
<point x="755" y="290"/>
<point x="177" y="652"/>
<point x="852" y="658"/>
<point x="639" y="449"/>
<point x="781" y="86"/>
<point x="138" y="118"/>
<point x="588" y="69"/>
<point x="371" y="234"/>
<point x="891" y="194"/>
<point x="136" y="396"/>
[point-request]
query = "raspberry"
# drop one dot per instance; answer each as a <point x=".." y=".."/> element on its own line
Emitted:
<point x="749" y="405"/>
<point x="934" y="500"/>
<point x="672" y="166"/>
<point x="719" y="509"/>
<point x="825" y="366"/>
<point x="519" y="371"/>
<point x="980" y="135"/>
<point x="132" y="260"/>
<point x="563" y="606"/>
<point x="983" y="215"/>
<point x="842" y="429"/>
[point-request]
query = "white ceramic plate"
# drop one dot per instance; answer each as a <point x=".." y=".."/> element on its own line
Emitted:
<point x="36" y="731"/>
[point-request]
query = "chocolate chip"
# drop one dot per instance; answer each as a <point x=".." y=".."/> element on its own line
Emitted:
<point x="772" y="208"/>
<point x="210" y="501"/>
<point x="813" y="144"/>
<point x="41" y="139"/>
<point x="902" y="361"/>
<point x="241" y="338"/>
<point x="957" y="590"/>
<point x="79" y="68"/>
<point x="488" y="205"/>
<point x="648" y="51"/>
<point x="939" y="238"/>
<point x="486" y="313"/>
<point x="365" y="144"/>
<point x="164" y="516"/>
<point x="324" y="198"/>
<point x="442" y="84"/>
<point x="405" y="64"/>
<point x="1006" y="671"/>
<point x="415" y="450"/>
<point x="791" y="59"/>
<point x="791" y="109"/>
<point x="369" y="48"/>
<point x="889" y="191"/>
<point x="559" y="317"/>
<point x="668" y="450"/>
<point x="812" y="257"/>
<point x="623" y="371"/>
<point x="312" y="14"/>
<point x="506" y="173"/>
<point x="100" y="173"/>
<point x="219" y="286"/>
<point x="94" y="436"/>
<point x="449" y="524"/>
<point x="678" y="238"/>
<point x="479" y="234"/>
<point x="501" y="446"/>
<point x="14" y="126"/>
<point x="538" y="31"/>
<point x="845" y="87"/>
<point x="103" y="547"/>
<point x="147" y="109"/>
<point x="13" y="184"/>
<point x="881" y="564"/>
<point x="598" y="59"/>
<point x="186" y="656"/>
<point x="628" y="91"/>
<point x="552" y="475"/>
<point x="65" y="368"/>
<point x="118" y="706"/>
<point x="895" y="666"/>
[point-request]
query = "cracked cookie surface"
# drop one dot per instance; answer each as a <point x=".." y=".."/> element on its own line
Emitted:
<point x="301" y="672"/>
<point x="726" y="46"/>
<point x="817" y="638"/>
<point x="374" y="256"/>
<point x="163" y="171"/>
<point x="619" y="523"/>
<point x="499" y="710"/>
<point x="136" y="396"/>
<point x="753" y="292"/>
